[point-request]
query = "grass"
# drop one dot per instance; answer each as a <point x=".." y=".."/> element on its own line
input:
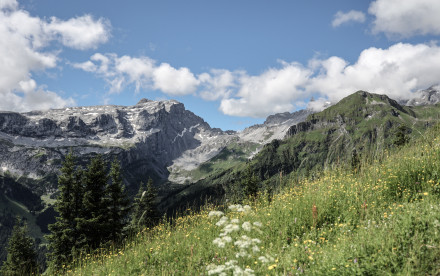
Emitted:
<point x="382" y="220"/>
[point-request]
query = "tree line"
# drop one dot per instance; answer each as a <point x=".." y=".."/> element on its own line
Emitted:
<point x="94" y="211"/>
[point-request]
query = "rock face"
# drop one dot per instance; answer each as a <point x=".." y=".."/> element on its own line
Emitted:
<point x="146" y="137"/>
<point x="428" y="96"/>
<point x="150" y="138"/>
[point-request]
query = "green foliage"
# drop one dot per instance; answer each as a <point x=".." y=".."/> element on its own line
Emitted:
<point x="250" y="183"/>
<point x="21" y="258"/>
<point x="64" y="231"/>
<point x="145" y="212"/>
<point x="401" y="136"/>
<point x="92" y="224"/>
<point x="117" y="202"/>
<point x="91" y="210"/>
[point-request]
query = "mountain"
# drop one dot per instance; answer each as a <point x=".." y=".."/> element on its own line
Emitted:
<point x="362" y="126"/>
<point x="158" y="139"/>
<point x="163" y="140"/>
<point x="425" y="97"/>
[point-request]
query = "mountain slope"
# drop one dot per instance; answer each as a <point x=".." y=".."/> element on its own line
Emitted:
<point x="382" y="220"/>
<point x="362" y="125"/>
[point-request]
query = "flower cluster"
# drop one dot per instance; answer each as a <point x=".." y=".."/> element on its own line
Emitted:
<point x="233" y="233"/>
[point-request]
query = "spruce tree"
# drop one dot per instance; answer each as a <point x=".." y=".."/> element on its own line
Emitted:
<point x="250" y="183"/>
<point x="117" y="202"/>
<point x="145" y="212"/>
<point x="64" y="231"/>
<point x="92" y="224"/>
<point x="21" y="259"/>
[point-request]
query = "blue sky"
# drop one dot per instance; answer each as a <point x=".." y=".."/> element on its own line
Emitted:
<point x="231" y="62"/>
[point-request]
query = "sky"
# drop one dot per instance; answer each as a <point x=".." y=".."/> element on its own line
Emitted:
<point x="231" y="62"/>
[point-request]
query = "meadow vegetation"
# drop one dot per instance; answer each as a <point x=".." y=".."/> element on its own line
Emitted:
<point x="381" y="219"/>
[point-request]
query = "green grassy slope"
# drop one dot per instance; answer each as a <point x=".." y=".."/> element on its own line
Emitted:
<point x="364" y="123"/>
<point x="382" y="220"/>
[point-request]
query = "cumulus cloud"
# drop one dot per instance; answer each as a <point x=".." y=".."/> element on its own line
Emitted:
<point x="406" y="18"/>
<point x="218" y="83"/>
<point x="351" y="16"/>
<point x="23" y="51"/>
<point x="397" y="72"/>
<point x="81" y="32"/>
<point x="142" y="72"/>
<point x="273" y="91"/>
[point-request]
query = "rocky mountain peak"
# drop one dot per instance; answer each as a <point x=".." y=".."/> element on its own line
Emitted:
<point x="428" y="96"/>
<point x="144" y="100"/>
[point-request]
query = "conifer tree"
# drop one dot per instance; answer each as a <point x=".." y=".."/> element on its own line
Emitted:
<point x="21" y="259"/>
<point x="92" y="224"/>
<point x="117" y="202"/>
<point x="64" y="231"/>
<point x="250" y="183"/>
<point x="145" y="212"/>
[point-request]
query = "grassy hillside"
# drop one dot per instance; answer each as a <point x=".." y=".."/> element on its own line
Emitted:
<point x="362" y="124"/>
<point x="384" y="219"/>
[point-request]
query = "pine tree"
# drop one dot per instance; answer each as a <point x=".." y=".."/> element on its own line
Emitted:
<point x="117" y="202"/>
<point x="92" y="223"/>
<point x="64" y="231"/>
<point x="21" y="258"/>
<point x="250" y="183"/>
<point x="145" y="212"/>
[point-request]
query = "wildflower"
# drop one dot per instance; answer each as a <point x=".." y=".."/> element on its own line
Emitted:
<point x="246" y="226"/>
<point x="258" y="224"/>
<point x="222" y="221"/>
<point x="272" y="266"/>
<point x="235" y="221"/>
<point x="215" y="214"/>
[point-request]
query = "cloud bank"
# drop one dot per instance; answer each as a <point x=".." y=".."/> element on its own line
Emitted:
<point x="23" y="51"/>
<point x="397" y="71"/>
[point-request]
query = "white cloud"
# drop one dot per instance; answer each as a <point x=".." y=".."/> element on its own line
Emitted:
<point x="397" y="72"/>
<point x="218" y="84"/>
<point x="273" y="91"/>
<point x="342" y="18"/>
<point x="23" y="51"/>
<point x="142" y="72"/>
<point x="11" y="4"/>
<point x="406" y="18"/>
<point x="81" y="32"/>
<point x="174" y="81"/>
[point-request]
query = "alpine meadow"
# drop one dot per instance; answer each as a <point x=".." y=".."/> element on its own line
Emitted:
<point x="237" y="138"/>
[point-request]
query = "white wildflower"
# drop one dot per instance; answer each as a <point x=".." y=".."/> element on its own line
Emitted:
<point x="263" y="259"/>
<point x="235" y="207"/>
<point x="247" y="226"/>
<point x="215" y="214"/>
<point x="255" y="249"/>
<point x="256" y="241"/>
<point x="258" y="224"/>
<point x="231" y="263"/>
<point x="229" y="229"/>
<point x="219" y="242"/>
<point x="219" y="269"/>
<point x="222" y="221"/>
<point x="236" y="221"/>
<point x="242" y="253"/>
<point x="227" y="239"/>
<point x="238" y="271"/>
<point x="248" y="272"/>
<point x="247" y="208"/>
